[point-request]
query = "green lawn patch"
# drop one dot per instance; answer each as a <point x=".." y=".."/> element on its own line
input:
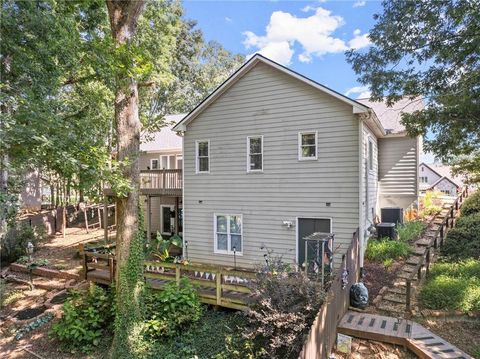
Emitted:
<point x="385" y="250"/>
<point x="453" y="286"/>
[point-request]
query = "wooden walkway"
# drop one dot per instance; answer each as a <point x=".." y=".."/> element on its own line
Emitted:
<point x="399" y="331"/>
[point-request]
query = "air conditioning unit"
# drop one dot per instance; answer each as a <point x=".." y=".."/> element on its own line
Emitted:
<point x="385" y="229"/>
<point x="392" y="215"/>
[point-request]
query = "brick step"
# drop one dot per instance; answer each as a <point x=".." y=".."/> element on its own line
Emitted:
<point x="418" y="251"/>
<point x="395" y="298"/>
<point x="409" y="268"/>
<point x="424" y="242"/>
<point x="402" y="290"/>
<point x="404" y="275"/>
<point x="413" y="260"/>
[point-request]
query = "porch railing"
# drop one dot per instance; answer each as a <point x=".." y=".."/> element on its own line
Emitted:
<point x="161" y="179"/>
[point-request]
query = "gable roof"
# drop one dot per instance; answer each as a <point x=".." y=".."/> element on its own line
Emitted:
<point x="430" y="168"/>
<point x="444" y="178"/>
<point x="165" y="139"/>
<point x="444" y="171"/>
<point x="247" y="66"/>
<point x="390" y="116"/>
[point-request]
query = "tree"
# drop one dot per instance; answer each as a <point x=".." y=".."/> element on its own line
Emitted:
<point x="429" y="50"/>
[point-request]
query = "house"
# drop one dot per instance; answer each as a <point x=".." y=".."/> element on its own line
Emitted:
<point x="271" y="156"/>
<point x="161" y="180"/>
<point x="439" y="177"/>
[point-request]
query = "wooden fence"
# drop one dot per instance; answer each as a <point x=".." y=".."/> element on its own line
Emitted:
<point x="423" y="266"/>
<point x="322" y="334"/>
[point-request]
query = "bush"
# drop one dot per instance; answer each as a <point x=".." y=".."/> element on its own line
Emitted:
<point x="15" y="241"/>
<point x="410" y="231"/>
<point x="471" y="204"/>
<point x="286" y="305"/>
<point x="171" y="309"/>
<point x="384" y="249"/>
<point x="463" y="241"/>
<point x="84" y="319"/>
<point x="453" y="286"/>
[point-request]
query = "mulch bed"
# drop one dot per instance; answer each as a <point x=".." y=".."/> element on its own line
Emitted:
<point x="377" y="276"/>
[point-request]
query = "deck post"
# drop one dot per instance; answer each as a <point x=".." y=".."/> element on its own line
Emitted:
<point x="85" y="266"/>
<point x="219" y="287"/>
<point x="99" y="217"/>
<point x="149" y="218"/>
<point x="176" y="215"/>
<point x="408" y="289"/>
<point x="177" y="274"/>
<point x="105" y="218"/>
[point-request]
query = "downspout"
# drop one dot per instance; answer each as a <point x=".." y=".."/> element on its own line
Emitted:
<point x="361" y="229"/>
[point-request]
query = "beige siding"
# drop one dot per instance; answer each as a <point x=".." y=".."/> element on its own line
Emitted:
<point x="269" y="103"/>
<point x="145" y="157"/>
<point x="398" y="171"/>
<point x="156" y="203"/>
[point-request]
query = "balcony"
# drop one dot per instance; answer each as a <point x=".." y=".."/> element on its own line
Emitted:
<point x="159" y="182"/>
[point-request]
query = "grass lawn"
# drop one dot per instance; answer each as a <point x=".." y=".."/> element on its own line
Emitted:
<point x="453" y="286"/>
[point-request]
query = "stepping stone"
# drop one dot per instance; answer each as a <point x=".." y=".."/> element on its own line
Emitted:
<point x="409" y="269"/>
<point x="397" y="290"/>
<point x="424" y="242"/>
<point x="395" y="298"/>
<point x="418" y="251"/>
<point x="413" y="260"/>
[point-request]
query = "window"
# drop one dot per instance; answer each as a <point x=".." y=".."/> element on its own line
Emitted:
<point x="307" y="145"/>
<point x="154" y="164"/>
<point x="179" y="162"/>
<point x="228" y="234"/>
<point x="423" y="179"/>
<point x="370" y="155"/>
<point x="255" y="154"/>
<point x="422" y="168"/>
<point x="203" y="156"/>
<point x="168" y="161"/>
<point x="167" y="222"/>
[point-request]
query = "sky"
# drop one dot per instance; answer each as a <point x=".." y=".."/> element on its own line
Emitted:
<point x="310" y="37"/>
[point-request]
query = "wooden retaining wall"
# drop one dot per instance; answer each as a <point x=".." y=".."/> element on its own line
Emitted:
<point x="322" y="336"/>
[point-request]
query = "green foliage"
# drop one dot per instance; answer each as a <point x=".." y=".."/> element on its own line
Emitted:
<point x="35" y="324"/>
<point x="410" y="231"/>
<point x="387" y="263"/>
<point x="161" y="248"/>
<point x="384" y="249"/>
<point x="463" y="241"/>
<point x="85" y="317"/>
<point x="37" y="262"/>
<point x="15" y="241"/>
<point x="196" y="340"/>
<point x="471" y="205"/>
<point x="428" y="50"/>
<point x="279" y="320"/>
<point x="431" y="203"/>
<point x="453" y="286"/>
<point x="172" y="309"/>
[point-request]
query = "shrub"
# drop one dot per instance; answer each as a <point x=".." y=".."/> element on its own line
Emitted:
<point x="471" y="204"/>
<point x="285" y="307"/>
<point x="453" y="286"/>
<point x="463" y="241"/>
<point x="384" y="249"/>
<point x="85" y="317"/>
<point x="15" y="241"/>
<point x="171" y="309"/>
<point x="410" y="231"/>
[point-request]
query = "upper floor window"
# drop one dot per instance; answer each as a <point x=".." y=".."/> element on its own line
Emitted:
<point x="423" y="179"/>
<point x="202" y="156"/>
<point x="255" y="153"/>
<point x="154" y="164"/>
<point x="228" y="234"/>
<point x="370" y="155"/>
<point x="307" y="145"/>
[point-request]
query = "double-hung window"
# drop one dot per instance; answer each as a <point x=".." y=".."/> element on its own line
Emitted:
<point x="154" y="164"/>
<point x="228" y="233"/>
<point x="307" y="145"/>
<point x="255" y="154"/>
<point x="202" y="156"/>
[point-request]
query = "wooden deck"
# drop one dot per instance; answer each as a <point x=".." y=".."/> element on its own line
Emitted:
<point x="158" y="183"/>
<point x="220" y="286"/>
<point x="399" y="331"/>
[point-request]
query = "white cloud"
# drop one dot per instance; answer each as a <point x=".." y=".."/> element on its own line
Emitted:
<point x="314" y="33"/>
<point x="362" y="91"/>
<point x="228" y="19"/>
<point x="308" y="8"/>
<point x="359" y="3"/>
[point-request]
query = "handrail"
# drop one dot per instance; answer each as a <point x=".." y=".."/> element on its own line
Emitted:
<point x="440" y="232"/>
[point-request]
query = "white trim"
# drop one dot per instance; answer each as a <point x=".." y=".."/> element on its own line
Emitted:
<point x="177" y="158"/>
<point x="248" y="153"/>
<point x="172" y="208"/>
<point x="228" y="251"/>
<point x="151" y="163"/>
<point x="182" y="125"/>
<point x="197" y="170"/>
<point x="297" y="230"/>
<point x="371" y="167"/>
<point x="361" y="178"/>
<point x="300" y="157"/>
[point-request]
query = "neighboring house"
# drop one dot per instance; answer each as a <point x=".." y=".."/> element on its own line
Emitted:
<point x="162" y="151"/>
<point x="272" y="156"/>
<point x="439" y="178"/>
<point x="31" y="194"/>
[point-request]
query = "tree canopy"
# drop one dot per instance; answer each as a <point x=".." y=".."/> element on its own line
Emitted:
<point x="430" y="51"/>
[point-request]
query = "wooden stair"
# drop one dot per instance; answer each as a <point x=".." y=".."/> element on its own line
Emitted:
<point x="414" y="336"/>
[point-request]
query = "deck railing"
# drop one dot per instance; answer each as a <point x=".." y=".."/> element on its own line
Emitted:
<point x="423" y="266"/>
<point x="161" y="179"/>
<point x="220" y="286"/>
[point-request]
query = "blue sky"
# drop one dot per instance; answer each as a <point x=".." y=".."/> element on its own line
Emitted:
<point x="309" y="37"/>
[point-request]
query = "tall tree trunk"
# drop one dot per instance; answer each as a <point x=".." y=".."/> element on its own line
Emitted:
<point x="52" y="194"/>
<point x="4" y="163"/>
<point x="123" y="17"/>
